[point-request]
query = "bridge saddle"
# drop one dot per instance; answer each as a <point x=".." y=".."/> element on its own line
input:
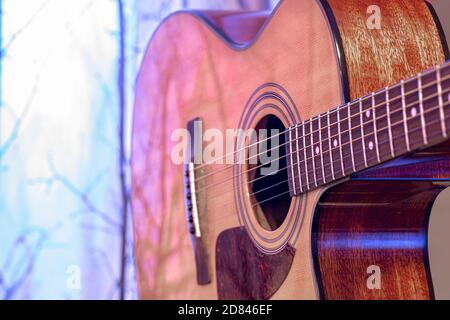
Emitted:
<point x="191" y="200"/>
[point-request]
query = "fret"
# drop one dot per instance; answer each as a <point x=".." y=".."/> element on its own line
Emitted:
<point x="383" y="128"/>
<point x="329" y="146"/>
<point x="305" y="155"/>
<point x="445" y="85"/>
<point x="344" y="140"/>
<point x="322" y="151"/>
<point x="294" y="162"/>
<point x="422" y="117"/>
<point x="308" y="154"/>
<point x="336" y="150"/>
<point x="432" y="111"/>
<point x="317" y="151"/>
<point x="361" y="121"/>
<point x="290" y="164"/>
<point x="388" y="116"/>
<point x="350" y="136"/>
<point x="299" y="148"/>
<point x="375" y="127"/>
<point x="311" y="149"/>
<point x="356" y="136"/>
<point x="405" y="122"/>
<point x="397" y="120"/>
<point x="378" y="127"/>
<point x="325" y="147"/>
<point x="368" y="128"/>
<point x="412" y="114"/>
<point x="441" y="102"/>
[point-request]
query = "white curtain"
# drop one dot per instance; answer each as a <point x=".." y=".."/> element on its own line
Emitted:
<point x="66" y="90"/>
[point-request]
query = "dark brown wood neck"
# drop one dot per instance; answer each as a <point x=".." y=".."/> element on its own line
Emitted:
<point x="381" y="126"/>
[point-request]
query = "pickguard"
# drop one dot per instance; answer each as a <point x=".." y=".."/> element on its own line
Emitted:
<point x="244" y="272"/>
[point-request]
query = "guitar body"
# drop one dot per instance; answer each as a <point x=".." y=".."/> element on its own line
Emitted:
<point x="304" y="59"/>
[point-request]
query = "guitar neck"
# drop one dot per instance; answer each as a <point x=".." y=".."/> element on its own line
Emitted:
<point x="381" y="126"/>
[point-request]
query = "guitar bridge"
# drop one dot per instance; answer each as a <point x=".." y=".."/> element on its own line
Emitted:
<point x="195" y="201"/>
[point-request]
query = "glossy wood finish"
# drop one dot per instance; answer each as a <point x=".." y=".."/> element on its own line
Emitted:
<point x="198" y="74"/>
<point x="382" y="120"/>
<point x="362" y="224"/>
<point x="384" y="223"/>
<point x="431" y="164"/>
<point x="407" y="48"/>
<point x="407" y="43"/>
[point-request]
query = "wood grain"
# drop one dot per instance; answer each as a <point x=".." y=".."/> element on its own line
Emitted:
<point x="384" y="224"/>
<point x="193" y="69"/>
<point x="363" y="223"/>
<point x="198" y="73"/>
<point x="407" y="43"/>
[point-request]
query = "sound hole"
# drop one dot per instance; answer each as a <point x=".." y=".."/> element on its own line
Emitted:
<point x="268" y="178"/>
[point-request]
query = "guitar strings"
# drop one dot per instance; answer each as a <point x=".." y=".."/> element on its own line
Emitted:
<point x="281" y="194"/>
<point x="337" y="109"/>
<point x="332" y="162"/>
<point x="331" y="150"/>
<point x="434" y="108"/>
<point x="309" y="172"/>
<point x="360" y="100"/>
<point x="333" y="136"/>
<point x="289" y="179"/>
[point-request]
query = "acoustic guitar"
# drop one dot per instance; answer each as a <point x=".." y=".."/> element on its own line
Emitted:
<point x="351" y="99"/>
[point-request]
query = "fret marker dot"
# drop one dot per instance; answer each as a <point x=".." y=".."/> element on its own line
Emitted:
<point x="368" y="113"/>
<point x="335" y="143"/>
<point x="370" y="145"/>
<point x="413" y="112"/>
<point x="317" y="150"/>
<point x="448" y="97"/>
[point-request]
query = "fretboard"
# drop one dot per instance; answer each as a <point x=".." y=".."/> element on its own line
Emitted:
<point x="386" y="124"/>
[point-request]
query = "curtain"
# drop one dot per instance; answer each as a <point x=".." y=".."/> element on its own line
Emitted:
<point x="67" y="72"/>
